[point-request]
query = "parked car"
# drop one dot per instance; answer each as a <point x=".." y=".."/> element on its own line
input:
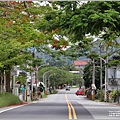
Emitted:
<point x="79" y="92"/>
<point x="67" y="88"/>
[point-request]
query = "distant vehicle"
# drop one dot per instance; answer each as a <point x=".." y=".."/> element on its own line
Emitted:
<point x="79" y="92"/>
<point x="67" y="88"/>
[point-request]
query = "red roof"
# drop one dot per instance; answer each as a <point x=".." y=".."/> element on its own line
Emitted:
<point x="80" y="62"/>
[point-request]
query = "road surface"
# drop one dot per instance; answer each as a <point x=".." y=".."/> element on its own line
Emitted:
<point x="62" y="106"/>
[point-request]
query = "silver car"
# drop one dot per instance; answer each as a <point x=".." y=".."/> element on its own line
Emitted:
<point x="68" y="88"/>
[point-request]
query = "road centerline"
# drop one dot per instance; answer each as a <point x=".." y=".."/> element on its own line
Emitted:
<point x="71" y="109"/>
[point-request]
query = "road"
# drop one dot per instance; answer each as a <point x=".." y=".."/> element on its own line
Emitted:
<point x="62" y="106"/>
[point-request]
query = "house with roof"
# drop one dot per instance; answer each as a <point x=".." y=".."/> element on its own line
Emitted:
<point x="80" y="63"/>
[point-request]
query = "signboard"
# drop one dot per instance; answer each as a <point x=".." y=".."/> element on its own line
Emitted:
<point x="22" y="88"/>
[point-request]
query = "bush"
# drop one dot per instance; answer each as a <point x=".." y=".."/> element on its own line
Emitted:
<point x="55" y="91"/>
<point x="115" y="93"/>
<point x="43" y="96"/>
<point x="97" y="95"/>
<point x="7" y="99"/>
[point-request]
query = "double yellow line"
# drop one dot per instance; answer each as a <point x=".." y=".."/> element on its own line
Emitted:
<point x="71" y="110"/>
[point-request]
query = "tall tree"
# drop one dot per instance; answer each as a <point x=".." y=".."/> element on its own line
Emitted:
<point x="18" y="33"/>
<point x="79" y="22"/>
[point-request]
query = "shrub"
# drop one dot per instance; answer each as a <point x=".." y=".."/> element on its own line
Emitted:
<point x="115" y="93"/>
<point x="55" y="91"/>
<point x="7" y="99"/>
<point x="43" y="96"/>
<point x="97" y="95"/>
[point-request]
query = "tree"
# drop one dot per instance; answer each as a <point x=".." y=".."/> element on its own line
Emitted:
<point x="59" y="76"/>
<point x="18" y="33"/>
<point x="79" y="22"/>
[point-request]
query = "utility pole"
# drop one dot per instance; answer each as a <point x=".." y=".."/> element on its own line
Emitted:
<point x="1" y="83"/>
<point x="32" y="75"/>
<point x="93" y="81"/>
<point x="101" y="93"/>
<point x="105" y="78"/>
<point x="106" y="67"/>
<point x="4" y="81"/>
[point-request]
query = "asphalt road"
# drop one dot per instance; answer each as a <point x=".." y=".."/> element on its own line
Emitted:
<point x="62" y="106"/>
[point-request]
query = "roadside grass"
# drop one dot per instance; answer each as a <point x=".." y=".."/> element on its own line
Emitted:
<point x="7" y="99"/>
<point x="43" y="96"/>
<point x="74" y="86"/>
<point x="47" y="93"/>
<point x="55" y="91"/>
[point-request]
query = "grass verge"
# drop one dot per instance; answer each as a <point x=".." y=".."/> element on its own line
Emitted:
<point x="7" y="99"/>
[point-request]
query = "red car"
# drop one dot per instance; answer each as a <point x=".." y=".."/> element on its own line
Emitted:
<point x="79" y="92"/>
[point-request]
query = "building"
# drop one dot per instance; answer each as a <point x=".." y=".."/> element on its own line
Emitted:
<point x="80" y="63"/>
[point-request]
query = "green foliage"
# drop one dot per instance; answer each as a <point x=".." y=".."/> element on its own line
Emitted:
<point x="115" y="93"/>
<point x="55" y="91"/>
<point x="58" y="76"/>
<point x="43" y="95"/>
<point x="21" y="79"/>
<point x="88" y="72"/>
<point x="19" y="32"/>
<point x="8" y="99"/>
<point x="97" y="95"/>
<point x="76" y="21"/>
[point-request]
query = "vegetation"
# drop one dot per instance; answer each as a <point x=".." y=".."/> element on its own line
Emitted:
<point x="88" y="74"/>
<point x="114" y="94"/>
<point x="66" y="28"/>
<point x="57" y="76"/>
<point x="7" y="99"/>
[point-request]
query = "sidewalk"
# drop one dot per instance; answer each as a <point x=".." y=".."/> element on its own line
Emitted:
<point x="98" y="102"/>
<point x="6" y="108"/>
<point x="101" y="110"/>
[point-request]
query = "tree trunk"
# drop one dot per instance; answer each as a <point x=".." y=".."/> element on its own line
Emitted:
<point x="8" y="82"/>
<point x="0" y="84"/>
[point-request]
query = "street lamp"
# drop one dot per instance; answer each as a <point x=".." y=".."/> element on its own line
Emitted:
<point x="105" y="78"/>
<point x="37" y="69"/>
<point x="44" y="80"/>
<point x="49" y="81"/>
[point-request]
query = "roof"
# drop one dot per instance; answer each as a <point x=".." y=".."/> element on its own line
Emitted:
<point x="80" y="62"/>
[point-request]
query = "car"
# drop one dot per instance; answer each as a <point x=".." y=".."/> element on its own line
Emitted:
<point x="67" y="88"/>
<point x="79" y="92"/>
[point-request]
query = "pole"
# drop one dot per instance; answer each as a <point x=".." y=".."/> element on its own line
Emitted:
<point x="13" y="85"/>
<point x="105" y="79"/>
<point x="49" y="78"/>
<point x="26" y="91"/>
<point x="44" y="79"/>
<point x="4" y="82"/>
<point x="101" y="93"/>
<point x="36" y="78"/>
<point x="31" y="85"/>
<point x="1" y="83"/>
<point x="105" y="82"/>
<point x="93" y="81"/>
<point x="101" y="80"/>
<point x="106" y="70"/>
